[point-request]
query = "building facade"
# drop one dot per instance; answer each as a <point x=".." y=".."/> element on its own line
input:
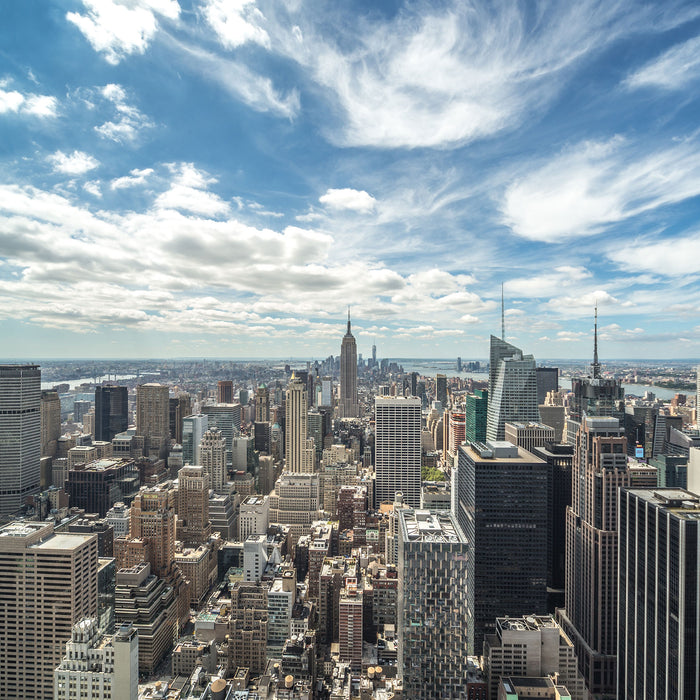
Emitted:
<point x="111" y="411"/>
<point x="348" y="407"/>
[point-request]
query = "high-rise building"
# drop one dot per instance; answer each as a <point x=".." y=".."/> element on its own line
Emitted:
<point x="299" y="459"/>
<point x="326" y="391"/>
<point x="435" y="626"/>
<point x="512" y="388"/>
<point x="262" y="404"/>
<point x="547" y="380"/>
<point x="20" y="435"/>
<point x="658" y="641"/>
<point x="227" y="418"/>
<point x="97" y="485"/>
<point x="350" y="626"/>
<point x="148" y="603"/>
<point x="247" y="638"/>
<point x="528" y="435"/>
<point x="590" y="617"/>
<point x="50" y="422"/>
<point x="111" y="411"/>
<point x="475" y="413"/>
<point x="180" y="406"/>
<point x="457" y="431"/>
<point x="501" y="506"/>
<point x="48" y="581"/>
<point x="96" y="667"/>
<point x="193" y="524"/>
<point x="348" y="407"/>
<point x="224" y="391"/>
<point x="153" y="410"/>
<point x="397" y="459"/>
<point x="534" y="646"/>
<point x="193" y="429"/>
<point x="441" y="389"/>
<point x="295" y="502"/>
<point x="212" y="456"/>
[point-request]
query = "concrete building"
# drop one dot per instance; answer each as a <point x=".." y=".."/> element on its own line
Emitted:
<point x="397" y="458"/>
<point x="20" y="435"/>
<point x="50" y="423"/>
<point x="280" y="603"/>
<point x="501" y="506"/>
<point x="547" y="380"/>
<point x="262" y="404"/>
<point x="529" y="435"/>
<point x="295" y="502"/>
<point x="119" y="517"/>
<point x="98" y="667"/>
<point x="48" y="581"/>
<point x="254" y="516"/>
<point x="148" y="603"/>
<point x="299" y="455"/>
<point x="435" y="623"/>
<point x="247" y="637"/>
<point x="111" y="411"/>
<point x="193" y="523"/>
<point x="350" y="625"/>
<point x="658" y="641"/>
<point x="153" y="415"/>
<point x="224" y="391"/>
<point x="533" y="646"/>
<point x="589" y="619"/>
<point x="212" y="456"/>
<point x="227" y="418"/>
<point x="348" y="406"/>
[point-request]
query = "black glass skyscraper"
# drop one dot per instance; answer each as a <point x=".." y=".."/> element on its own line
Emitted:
<point x="111" y="411"/>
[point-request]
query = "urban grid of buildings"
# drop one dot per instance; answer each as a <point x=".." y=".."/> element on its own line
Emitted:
<point x="348" y="530"/>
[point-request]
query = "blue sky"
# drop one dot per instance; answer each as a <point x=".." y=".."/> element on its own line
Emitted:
<point x="223" y="177"/>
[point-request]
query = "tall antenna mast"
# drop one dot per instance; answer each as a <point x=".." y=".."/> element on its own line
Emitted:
<point x="503" y="315"/>
<point x="596" y="364"/>
<point x="348" y="318"/>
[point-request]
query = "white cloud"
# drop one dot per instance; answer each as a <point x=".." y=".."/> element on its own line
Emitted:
<point x="35" y="105"/>
<point x="236" y="22"/>
<point x="128" y="120"/>
<point x="93" y="188"/>
<point x="439" y="75"/>
<point x="133" y="179"/>
<point x="346" y="198"/>
<point x="672" y="70"/>
<point x="76" y="163"/>
<point x="588" y="187"/>
<point x="118" y="28"/>
<point x="548" y="283"/>
<point x="671" y="256"/>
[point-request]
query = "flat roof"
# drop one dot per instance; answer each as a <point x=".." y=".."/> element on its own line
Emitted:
<point x="680" y="502"/>
<point x="63" y="540"/>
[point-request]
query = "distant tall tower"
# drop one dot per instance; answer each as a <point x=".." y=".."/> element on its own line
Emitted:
<point x="397" y="460"/>
<point x="512" y="388"/>
<point x="441" y="389"/>
<point x="590" y="618"/>
<point x="348" y="375"/>
<point x="212" y="456"/>
<point x="20" y="434"/>
<point x="296" y="434"/>
<point x="262" y="404"/>
<point x="224" y="391"/>
<point x="193" y="429"/>
<point x="50" y="422"/>
<point x="111" y="411"/>
<point x="153" y="415"/>
<point x="374" y="354"/>
<point x="193" y="524"/>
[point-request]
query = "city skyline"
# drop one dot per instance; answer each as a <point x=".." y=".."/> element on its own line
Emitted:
<point x="183" y="178"/>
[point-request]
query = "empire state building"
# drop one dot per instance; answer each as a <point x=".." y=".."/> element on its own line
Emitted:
<point x="348" y="376"/>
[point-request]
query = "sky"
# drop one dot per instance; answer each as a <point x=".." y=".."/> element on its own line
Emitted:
<point x="223" y="178"/>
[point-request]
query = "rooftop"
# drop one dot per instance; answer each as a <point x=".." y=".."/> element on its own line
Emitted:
<point x="680" y="502"/>
<point x="424" y="526"/>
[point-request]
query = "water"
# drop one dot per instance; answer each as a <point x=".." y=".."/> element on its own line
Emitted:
<point x="75" y="383"/>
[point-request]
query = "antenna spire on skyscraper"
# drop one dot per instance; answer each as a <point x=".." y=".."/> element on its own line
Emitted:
<point x="348" y="318"/>
<point x="596" y="364"/>
<point x="503" y="315"/>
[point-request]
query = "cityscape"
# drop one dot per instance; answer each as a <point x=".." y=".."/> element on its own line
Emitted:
<point x="349" y="529"/>
<point x="349" y="351"/>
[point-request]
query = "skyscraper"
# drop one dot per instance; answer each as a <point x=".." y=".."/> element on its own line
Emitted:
<point x="193" y="429"/>
<point x="475" y="414"/>
<point x="501" y="506"/>
<point x="547" y="380"/>
<point x="193" y="524"/>
<point x="658" y="639"/>
<point x="50" y="422"/>
<point x="20" y="434"/>
<point x="435" y="626"/>
<point x="348" y="376"/>
<point x="397" y="446"/>
<point x="224" y="391"/>
<point x="111" y="411"/>
<point x="441" y="389"/>
<point x="212" y="456"/>
<point x="262" y="404"/>
<point x="590" y="617"/>
<point x="299" y="455"/>
<point x="512" y="388"/>
<point x="48" y="583"/>
<point x="153" y="416"/>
